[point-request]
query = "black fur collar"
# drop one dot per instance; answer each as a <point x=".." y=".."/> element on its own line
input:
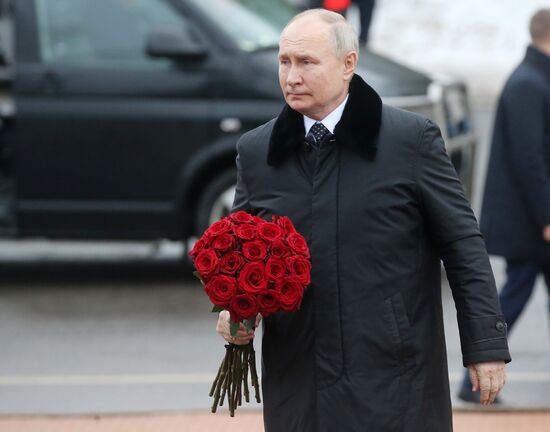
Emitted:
<point x="358" y="127"/>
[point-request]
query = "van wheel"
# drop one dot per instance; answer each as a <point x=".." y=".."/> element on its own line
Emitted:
<point x="216" y="200"/>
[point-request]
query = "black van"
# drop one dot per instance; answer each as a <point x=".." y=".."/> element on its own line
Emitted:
<point x="120" y="117"/>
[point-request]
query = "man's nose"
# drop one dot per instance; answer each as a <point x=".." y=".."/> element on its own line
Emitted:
<point x="294" y="77"/>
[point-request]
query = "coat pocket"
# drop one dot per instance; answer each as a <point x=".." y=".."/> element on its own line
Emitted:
<point x="399" y="329"/>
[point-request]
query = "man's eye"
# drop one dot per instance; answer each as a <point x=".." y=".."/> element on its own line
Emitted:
<point x="283" y="62"/>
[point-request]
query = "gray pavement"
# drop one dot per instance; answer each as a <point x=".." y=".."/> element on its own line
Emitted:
<point x="104" y="338"/>
<point x="98" y="338"/>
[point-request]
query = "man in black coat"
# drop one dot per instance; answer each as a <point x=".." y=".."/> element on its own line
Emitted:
<point x="374" y="193"/>
<point x="515" y="216"/>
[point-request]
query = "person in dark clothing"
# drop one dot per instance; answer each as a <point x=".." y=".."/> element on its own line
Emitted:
<point x="374" y="193"/>
<point x="515" y="216"/>
<point x="366" y="8"/>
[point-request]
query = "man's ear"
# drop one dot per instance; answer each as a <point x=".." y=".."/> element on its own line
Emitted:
<point x="350" y="64"/>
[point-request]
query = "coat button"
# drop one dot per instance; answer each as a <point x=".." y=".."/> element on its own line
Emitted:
<point x="500" y="326"/>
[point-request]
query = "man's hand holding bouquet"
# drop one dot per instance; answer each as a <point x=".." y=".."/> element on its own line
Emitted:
<point x="249" y="268"/>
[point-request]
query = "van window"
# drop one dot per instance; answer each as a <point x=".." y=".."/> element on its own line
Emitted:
<point x="102" y="32"/>
<point x="263" y="23"/>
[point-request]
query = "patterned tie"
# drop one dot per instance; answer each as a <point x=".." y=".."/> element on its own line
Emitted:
<point x="318" y="131"/>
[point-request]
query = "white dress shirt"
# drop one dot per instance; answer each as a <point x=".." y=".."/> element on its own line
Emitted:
<point x="330" y="120"/>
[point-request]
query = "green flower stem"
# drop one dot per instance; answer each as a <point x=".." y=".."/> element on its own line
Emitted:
<point x="238" y="378"/>
<point x="254" y="374"/>
<point x="240" y="381"/>
<point x="215" y="383"/>
<point x="246" y="356"/>
<point x="233" y="375"/>
<point x="230" y="377"/>
<point x="220" y="381"/>
<point x="227" y="375"/>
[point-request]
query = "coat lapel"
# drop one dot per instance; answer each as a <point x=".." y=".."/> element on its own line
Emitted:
<point x="358" y="128"/>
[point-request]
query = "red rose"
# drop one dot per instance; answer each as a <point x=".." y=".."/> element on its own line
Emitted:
<point x="219" y="227"/>
<point x="243" y="307"/>
<point x="298" y="244"/>
<point x="221" y="289"/>
<point x="231" y="262"/>
<point x="268" y="302"/>
<point x="245" y="231"/>
<point x="254" y="250"/>
<point x="285" y="223"/>
<point x="279" y="249"/>
<point x="223" y="242"/>
<point x="199" y="245"/>
<point x="252" y="278"/>
<point x="300" y="267"/>
<point x="290" y="292"/>
<point x="241" y="217"/>
<point x="275" y="268"/>
<point x="270" y="231"/>
<point x="207" y="263"/>
<point x="257" y="220"/>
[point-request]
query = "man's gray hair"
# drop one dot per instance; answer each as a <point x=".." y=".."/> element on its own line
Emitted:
<point x="539" y="27"/>
<point x="342" y="35"/>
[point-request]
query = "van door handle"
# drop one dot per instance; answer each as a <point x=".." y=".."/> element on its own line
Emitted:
<point x="230" y="124"/>
<point x="51" y="82"/>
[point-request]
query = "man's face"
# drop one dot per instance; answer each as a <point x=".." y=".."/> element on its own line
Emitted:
<point x="313" y="79"/>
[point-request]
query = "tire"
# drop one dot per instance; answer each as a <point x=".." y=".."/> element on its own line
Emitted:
<point x="216" y="200"/>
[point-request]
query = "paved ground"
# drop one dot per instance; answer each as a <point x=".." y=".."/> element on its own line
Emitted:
<point x="249" y="421"/>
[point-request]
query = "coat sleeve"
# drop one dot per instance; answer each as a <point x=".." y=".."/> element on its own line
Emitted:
<point x="241" y="201"/>
<point x="453" y="229"/>
<point x="525" y="116"/>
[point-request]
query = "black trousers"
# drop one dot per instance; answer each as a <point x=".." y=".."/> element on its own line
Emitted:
<point x="365" y="17"/>
<point x="521" y="278"/>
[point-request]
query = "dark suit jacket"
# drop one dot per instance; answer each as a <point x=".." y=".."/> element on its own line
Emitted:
<point x="379" y="204"/>
<point x="516" y="204"/>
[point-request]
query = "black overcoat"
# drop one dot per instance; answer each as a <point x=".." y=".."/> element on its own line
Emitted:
<point x="379" y="203"/>
<point x="516" y="204"/>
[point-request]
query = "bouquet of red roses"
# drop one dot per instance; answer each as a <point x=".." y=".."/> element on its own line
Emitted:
<point x="249" y="266"/>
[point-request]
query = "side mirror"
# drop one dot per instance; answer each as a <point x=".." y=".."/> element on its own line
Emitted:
<point x="175" y="45"/>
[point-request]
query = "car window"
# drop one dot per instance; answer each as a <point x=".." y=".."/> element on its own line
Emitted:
<point x="263" y="22"/>
<point x="277" y="12"/>
<point x="103" y="32"/>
